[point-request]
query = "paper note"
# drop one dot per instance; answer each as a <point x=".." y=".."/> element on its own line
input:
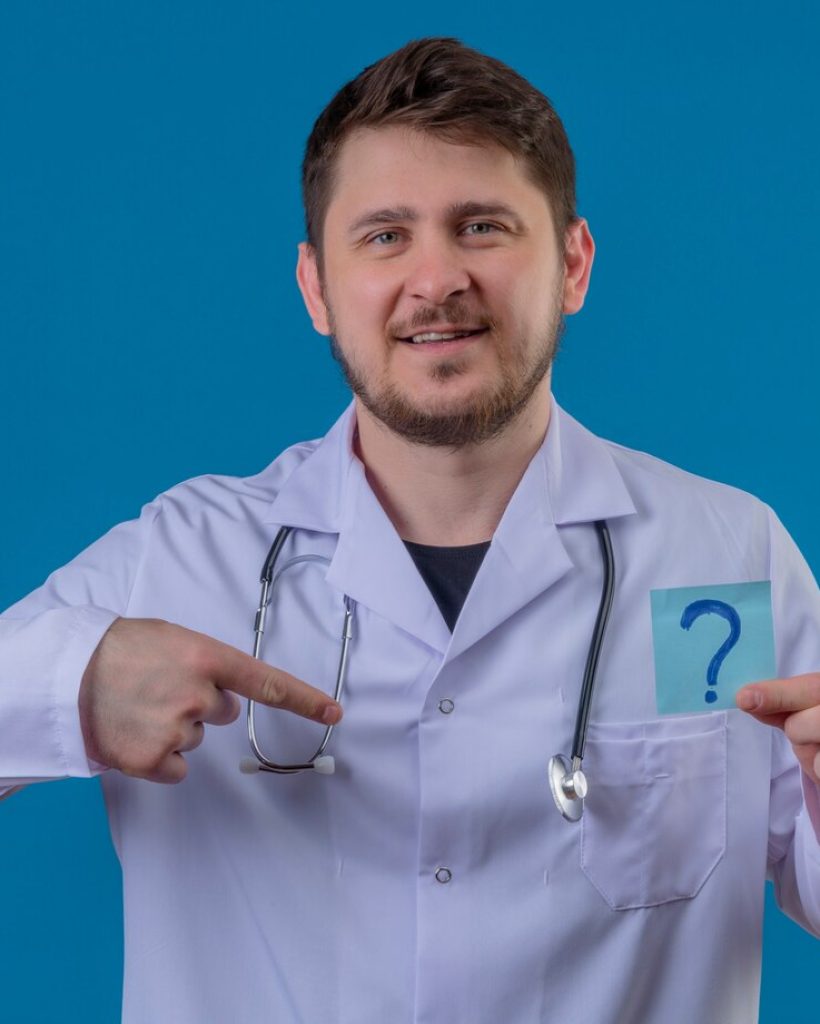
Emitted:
<point x="708" y="642"/>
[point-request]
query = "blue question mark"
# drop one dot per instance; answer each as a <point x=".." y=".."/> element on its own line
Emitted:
<point x="706" y="607"/>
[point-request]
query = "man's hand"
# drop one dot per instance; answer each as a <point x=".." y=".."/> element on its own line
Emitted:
<point x="792" y="705"/>
<point x="151" y="686"/>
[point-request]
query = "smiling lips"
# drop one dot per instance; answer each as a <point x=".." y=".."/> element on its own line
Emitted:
<point x="451" y="335"/>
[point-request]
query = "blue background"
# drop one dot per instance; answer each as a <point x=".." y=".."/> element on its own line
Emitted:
<point x="151" y="329"/>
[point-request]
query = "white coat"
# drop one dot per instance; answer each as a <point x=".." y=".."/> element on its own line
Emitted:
<point x="315" y="898"/>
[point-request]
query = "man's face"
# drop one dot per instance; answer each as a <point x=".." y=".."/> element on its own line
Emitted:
<point x="424" y="238"/>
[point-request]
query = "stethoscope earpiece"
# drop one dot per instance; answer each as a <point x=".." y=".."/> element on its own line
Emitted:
<point x="324" y="765"/>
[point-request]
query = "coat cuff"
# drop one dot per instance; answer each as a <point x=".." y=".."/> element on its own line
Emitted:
<point x="44" y="659"/>
<point x="86" y="631"/>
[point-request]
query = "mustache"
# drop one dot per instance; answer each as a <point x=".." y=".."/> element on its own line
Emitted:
<point x="451" y="312"/>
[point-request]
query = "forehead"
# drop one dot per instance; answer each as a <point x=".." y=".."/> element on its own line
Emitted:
<point x="401" y="167"/>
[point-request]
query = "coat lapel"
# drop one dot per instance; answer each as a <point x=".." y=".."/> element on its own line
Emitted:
<point x="328" y="492"/>
<point x="572" y="479"/>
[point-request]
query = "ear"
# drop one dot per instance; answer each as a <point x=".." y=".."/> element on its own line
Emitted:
<point x="579" y="252"/>
<point x="310" y="285"/>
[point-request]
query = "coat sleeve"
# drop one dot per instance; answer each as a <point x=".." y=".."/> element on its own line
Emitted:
<point x="46" y="642"/>
<point x="794" y="818"/>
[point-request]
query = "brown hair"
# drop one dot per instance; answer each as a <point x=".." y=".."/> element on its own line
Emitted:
<point x="439" y="85"/>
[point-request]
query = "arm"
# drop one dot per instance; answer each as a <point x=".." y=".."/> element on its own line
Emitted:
<point x="46" y="642"/>
<point x="83" y="687"/>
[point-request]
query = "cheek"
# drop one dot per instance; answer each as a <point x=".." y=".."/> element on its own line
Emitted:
<point x="539" y="313"/>
<point x="520" y="297"/>
<point x="545" y="293"/>
<point x="362" y="300"/>
<point x="521" y="312"/>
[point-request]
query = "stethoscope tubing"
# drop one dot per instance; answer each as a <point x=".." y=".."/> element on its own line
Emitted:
<point x="319" y="761"/>
<point x="596" y="643"/>
<point x="567" y="780"/>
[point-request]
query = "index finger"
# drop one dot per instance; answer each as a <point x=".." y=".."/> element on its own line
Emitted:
<point x="780" y="696"/>
<point x="249" y="677"/>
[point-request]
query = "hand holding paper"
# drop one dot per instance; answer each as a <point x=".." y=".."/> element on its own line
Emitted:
<point x="792" y="705"/>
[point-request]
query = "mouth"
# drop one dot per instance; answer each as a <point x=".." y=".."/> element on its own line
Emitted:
<point x="443" y="337"/>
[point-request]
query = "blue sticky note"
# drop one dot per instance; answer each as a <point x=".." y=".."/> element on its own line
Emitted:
<point x="708" y="642"/>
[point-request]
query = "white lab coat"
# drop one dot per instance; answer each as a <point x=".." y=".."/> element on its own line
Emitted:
<point x="314" y="898"/>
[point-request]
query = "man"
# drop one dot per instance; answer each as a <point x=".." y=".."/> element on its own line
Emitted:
<point x="431" y="877"/>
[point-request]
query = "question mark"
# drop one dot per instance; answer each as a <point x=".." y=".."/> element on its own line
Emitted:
<point x="705" y="607"/>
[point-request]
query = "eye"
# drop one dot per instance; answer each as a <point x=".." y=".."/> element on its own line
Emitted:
<point x="481" y="227"/>
<point x="384" y="238"/>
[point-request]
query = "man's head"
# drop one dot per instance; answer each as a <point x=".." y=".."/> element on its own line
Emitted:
<point x="439" y="192"/>
<point x="440" y="87"/>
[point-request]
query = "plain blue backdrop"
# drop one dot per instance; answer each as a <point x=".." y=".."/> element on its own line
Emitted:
<point x="152" y="330"/>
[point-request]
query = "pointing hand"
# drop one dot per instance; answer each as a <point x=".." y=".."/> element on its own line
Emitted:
<point x="151" y="687"/>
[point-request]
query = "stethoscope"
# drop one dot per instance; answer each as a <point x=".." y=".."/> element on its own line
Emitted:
<point x="567" y="780"/>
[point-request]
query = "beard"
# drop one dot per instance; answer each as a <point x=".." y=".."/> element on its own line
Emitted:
<point x="477" y="419"/>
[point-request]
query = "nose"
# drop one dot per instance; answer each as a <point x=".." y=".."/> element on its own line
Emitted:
<point x="437" y="272"/>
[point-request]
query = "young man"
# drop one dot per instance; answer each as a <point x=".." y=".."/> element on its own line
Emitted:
<point x="453" y="508"/>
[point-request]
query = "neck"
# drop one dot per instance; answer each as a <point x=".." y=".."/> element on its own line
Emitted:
<point x="447" y="497"/>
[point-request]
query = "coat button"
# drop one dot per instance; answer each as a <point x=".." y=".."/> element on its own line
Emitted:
<point x="443" y="875"/>
<point x="446" y="706"/>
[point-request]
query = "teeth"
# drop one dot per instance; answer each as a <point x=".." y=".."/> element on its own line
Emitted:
<point x="417" y="339"/>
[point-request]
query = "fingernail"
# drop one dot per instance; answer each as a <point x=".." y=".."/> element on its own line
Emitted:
<point x="748" y="700"/>
<point x="332" y="714"/>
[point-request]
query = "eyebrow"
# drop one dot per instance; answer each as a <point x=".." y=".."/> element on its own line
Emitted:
<point x="469" y="208"/>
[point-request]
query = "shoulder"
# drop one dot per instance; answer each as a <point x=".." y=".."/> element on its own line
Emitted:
<point x="221" y="495"/>
<point x="656" y="480"/>
<point x="693" y="509"/>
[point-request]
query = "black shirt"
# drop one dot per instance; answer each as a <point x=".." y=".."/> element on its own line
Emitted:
<point x="449" y="573"/>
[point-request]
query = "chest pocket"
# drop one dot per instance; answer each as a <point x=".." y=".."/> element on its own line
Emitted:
<point x="654" y="824"/>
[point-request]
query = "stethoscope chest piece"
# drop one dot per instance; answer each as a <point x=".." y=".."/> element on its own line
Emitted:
<point x="568" y="787"/>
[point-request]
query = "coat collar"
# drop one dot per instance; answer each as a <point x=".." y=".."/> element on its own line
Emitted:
<point x="583" y="479"/>
<point x="573" y="478"/>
